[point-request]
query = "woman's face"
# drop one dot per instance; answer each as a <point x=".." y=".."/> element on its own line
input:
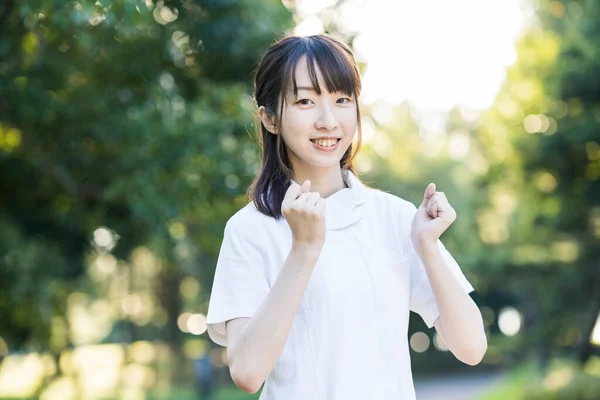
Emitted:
<point x="317" y="129"/>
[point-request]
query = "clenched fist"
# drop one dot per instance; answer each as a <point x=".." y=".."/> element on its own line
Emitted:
<point x="304" y="212"/>
<point x="433" y="217"/>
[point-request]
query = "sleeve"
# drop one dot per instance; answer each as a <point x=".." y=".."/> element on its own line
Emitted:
<point x="422" y="300"/>
<point x="239" y="286"/>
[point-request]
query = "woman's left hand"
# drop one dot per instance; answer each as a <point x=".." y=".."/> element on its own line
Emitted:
<point x="433" y="217"/>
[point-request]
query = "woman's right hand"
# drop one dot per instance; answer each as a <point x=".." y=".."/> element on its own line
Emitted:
<point x="304" y="212"/>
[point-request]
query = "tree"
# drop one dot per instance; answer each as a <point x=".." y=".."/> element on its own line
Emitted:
<point x="541" y="138"/>
<point x="132" y="115"/>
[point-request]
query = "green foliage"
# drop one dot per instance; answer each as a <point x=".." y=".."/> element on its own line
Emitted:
<point x="527" y="190"/>
<point x="514" y="385"/>
<point x="543" y="183"/>
<point x="137" y="116"/>
<point x="564" y="380"/>
<point x="235" y="394"/>
<point x="127" y="114"/>
<point x="225" y="393"/>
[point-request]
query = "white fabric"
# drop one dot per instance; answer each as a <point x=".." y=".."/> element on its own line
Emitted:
<point x="349" y="339"/>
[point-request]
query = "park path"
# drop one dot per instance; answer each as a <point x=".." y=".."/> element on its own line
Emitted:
<point x="456" y="387"/>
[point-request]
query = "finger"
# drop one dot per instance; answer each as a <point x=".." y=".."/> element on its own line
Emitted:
<point x="306" y="186"/>
<point x="438" y="196"/>
<point x="313" y="198"/>
<point x="433" y="207"/>
<point x="307" y="198"/>
<point x="292" y="193"/>
<point x="321" y="206"/>
<point x="303" y="200"/>
<point x="442" y="209"/>
<point x="429" y="191"/>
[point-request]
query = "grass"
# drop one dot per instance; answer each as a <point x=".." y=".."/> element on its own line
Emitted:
<point x="225" y="393"/>
<point x="514" y="385"/>
<point x="564" y="379"/>
<point x="235" y="394"/>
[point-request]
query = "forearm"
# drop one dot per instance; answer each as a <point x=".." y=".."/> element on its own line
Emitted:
<point x="261" y="341"/>
<point x="460" y="318"/>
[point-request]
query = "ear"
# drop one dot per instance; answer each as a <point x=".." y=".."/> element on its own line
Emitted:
<point x="266" y="120"/>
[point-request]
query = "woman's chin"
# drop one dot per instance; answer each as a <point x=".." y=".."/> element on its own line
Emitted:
<point x="333" y="163"/>
<point x="321" y="160"/>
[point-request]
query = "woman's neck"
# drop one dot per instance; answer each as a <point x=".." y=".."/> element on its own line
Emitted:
<point x="326" y="181"/>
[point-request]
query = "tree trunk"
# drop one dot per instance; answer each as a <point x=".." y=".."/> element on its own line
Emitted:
<point x="169" y="282"/>
<point x="533" y="325"/>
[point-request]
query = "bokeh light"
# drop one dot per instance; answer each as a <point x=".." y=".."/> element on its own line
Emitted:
<point x="509" y="321"/>
<point x="419" y="342"/>
<point x="596" y="332"/>
<point x="439" y="343"/>
<point x="105" y="238"/>
<point x="189" y="287"/>
<point x="182" y="321"/>
<point x="196" y="324"/>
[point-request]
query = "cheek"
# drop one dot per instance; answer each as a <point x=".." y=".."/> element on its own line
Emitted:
<point x="296" y="124"/>
<point x="349" y="120"/>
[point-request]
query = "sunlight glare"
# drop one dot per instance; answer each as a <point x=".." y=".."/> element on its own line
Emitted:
<point x="309" y="26"/>
<point x="434" y="53"/>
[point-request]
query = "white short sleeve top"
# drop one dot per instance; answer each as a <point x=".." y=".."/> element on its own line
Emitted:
<point x="349" y="339"/>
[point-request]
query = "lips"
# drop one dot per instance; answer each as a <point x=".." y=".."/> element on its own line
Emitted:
<point x="326" y="142"/>
<point x="326" y="145"/>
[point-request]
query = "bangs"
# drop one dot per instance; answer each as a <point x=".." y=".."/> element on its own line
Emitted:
<point x="333" y="60"/>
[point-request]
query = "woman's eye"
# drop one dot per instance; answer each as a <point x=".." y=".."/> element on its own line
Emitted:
<point x="304" y="102"/>
<point x="345" y="100"/>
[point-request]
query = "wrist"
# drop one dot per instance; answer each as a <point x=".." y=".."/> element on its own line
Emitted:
<point x="426" y="247"/>
<point x="306" y="249"/>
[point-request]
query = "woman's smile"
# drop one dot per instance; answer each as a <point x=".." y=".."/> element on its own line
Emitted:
<point x="326" y="144"/>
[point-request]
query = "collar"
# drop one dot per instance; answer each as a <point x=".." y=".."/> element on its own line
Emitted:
<point x="342" y="208"/>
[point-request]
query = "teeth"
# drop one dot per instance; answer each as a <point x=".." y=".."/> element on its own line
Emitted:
<point x="325" y="143"/>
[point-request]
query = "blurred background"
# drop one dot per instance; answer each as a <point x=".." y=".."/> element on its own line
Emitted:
<point x="127" y="139"/>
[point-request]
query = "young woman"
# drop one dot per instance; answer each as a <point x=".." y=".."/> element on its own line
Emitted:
<point x="317" y="274"/>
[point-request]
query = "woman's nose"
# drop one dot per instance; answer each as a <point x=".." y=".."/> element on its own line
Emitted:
<point x="327" y="119"/>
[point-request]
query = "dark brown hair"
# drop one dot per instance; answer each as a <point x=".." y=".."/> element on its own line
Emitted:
<point x="272" y="79"/>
